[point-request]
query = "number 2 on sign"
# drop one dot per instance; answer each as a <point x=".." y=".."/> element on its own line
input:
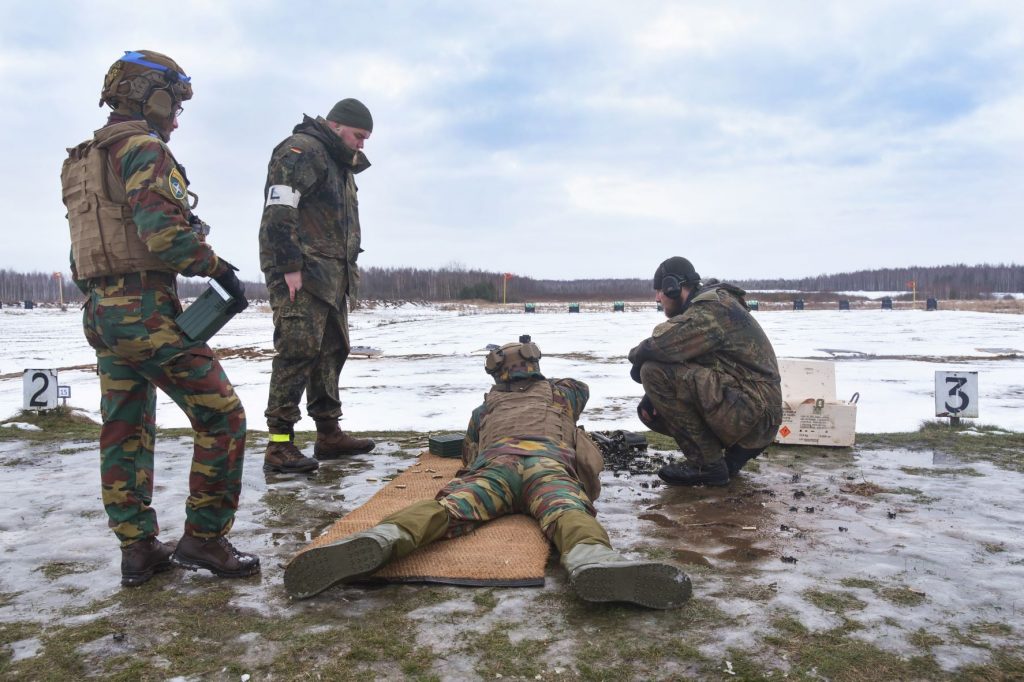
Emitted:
<point x="35" y="401"/>
<point x="955" y="391"/>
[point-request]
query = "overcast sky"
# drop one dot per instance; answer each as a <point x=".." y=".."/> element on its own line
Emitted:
<point x="564" y="139"/>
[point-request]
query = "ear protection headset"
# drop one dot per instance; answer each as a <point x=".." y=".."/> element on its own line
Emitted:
<point x="158" y="103"/>
<point x="671" y="286"/>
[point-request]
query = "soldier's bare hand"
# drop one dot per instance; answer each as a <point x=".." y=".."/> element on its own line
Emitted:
<point x="294" y="282"/>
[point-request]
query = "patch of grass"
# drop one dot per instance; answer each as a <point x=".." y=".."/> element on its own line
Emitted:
<point x="660" y="441"/>
<point x="499" y="655"/>
<point x="864" y="489"/>
<point x="59" y="424"/>
<point x="923" y="639"/>
<point x="901" y="595"/>
<point x="17" y="631"/>
<point x="59" y="657"/>
<point x="754" y="592"/>
<point x="56" y="569"/>
<point x="918" y="495"/>
<point x="743" y="667"/>
<point x="937" y="472"/>
<point x="860" y="582"/>
<point x="485" y="599"/>
<point x="993" y="444"/>
<point x="608" y="655"/>
<point x="834" y="655"/>
<point x="8" y="597"/>
<point x="991" y="629"/>
<point x="994" y="547"/>
<point x="1006" y="665"/>
<point x="834" y="602"/>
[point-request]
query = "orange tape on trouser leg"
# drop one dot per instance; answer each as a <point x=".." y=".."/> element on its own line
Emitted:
<point x="425" y="521"/>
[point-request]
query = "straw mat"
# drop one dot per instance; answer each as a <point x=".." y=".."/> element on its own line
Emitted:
<point x="509" y="551"/>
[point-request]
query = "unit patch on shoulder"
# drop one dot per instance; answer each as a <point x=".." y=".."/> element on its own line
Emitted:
<point x="177" y="184"/>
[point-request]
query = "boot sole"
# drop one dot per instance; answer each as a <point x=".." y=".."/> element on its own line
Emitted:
<point x="343" y="453"/>
<point x="195" y="565"/>
<point x="315" y="570"/>
<point x="654" y="585"/>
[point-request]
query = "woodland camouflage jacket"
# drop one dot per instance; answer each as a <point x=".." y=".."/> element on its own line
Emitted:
<point x="311" y="213"/>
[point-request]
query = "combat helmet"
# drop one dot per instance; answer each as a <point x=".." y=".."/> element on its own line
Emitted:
<point x="514" y="361"/>
<point x="149" y="84"/>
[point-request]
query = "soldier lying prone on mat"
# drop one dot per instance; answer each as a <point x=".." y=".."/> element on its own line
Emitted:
<point x="523" y="453"/>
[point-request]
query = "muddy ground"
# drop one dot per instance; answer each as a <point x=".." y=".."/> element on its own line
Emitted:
<point x="901" y="558"/>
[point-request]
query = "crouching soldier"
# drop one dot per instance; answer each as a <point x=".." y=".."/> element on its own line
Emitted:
<point x="710" y="377"/>
<point x="522" y="454"/>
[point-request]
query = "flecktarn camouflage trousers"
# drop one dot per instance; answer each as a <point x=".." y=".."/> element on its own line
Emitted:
<point x="312" y="344"/>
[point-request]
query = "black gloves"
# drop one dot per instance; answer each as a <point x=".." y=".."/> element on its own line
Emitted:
<point x="634" y="372"/>
<point x="233" y="286"/>
<point x="637" y="357"/>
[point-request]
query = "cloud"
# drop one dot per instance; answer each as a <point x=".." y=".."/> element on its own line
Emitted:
<point x="577" y="139"/>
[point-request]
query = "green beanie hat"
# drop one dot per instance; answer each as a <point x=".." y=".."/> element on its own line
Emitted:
<point x="353" y="113"/>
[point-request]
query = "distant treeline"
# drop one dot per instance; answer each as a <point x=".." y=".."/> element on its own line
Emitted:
<point x="942" y="281"/>
<point x="456" y="283"/>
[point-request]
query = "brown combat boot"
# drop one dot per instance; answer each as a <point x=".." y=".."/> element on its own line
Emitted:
<point x="141" y="559"/>
<point x="283" y="457"/>
<point x="216" y="555"/>
<point x="332" y="442"/>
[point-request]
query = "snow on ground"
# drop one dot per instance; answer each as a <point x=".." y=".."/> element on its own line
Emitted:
<point x="430" y="375"/>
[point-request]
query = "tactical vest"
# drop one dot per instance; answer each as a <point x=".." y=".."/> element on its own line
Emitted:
<point x="104" y="237"/>
<point x="531" y="412"/>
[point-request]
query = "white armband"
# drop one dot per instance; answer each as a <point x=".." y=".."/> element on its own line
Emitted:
<point x="283" y="195"/>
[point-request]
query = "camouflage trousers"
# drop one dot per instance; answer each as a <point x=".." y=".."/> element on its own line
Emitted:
<point x="706" y="411"/>
<point x="312" y="344"/>
<point x="513" y="484"/>
<point x="139" y="348"/>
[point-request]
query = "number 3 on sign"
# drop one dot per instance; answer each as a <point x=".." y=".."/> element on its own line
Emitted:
<point x="40" y="388"/>
<point x="956" y="394"/>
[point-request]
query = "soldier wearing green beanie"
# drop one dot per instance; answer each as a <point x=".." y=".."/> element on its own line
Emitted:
<point x="351" y="112"/>
<point x="309" y="244"/>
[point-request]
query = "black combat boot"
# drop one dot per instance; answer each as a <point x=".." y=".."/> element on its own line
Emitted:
<point x="216" y="555"/>
<point x="283" y="457"/>
<point x="332" y="442"/>
<point x="691" y="473"/>
<point x="141" y="559"/>
<point x="736" y="457"/>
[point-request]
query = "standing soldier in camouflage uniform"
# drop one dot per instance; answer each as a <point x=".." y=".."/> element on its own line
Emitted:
<point x="309" y="244"/>
<point x="523" y="453"/>
<point x="131" y="235"/>
<point x="710" y="377"/>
